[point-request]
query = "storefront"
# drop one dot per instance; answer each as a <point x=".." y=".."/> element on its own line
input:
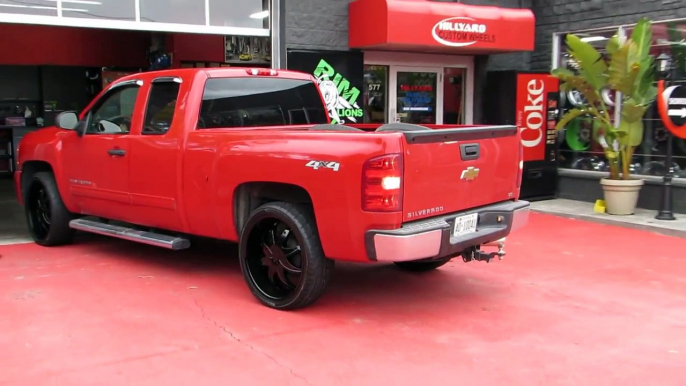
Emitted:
<point x="58" y="54"/>
<point x="581" y="159"/>
<point x="413" y="61"/>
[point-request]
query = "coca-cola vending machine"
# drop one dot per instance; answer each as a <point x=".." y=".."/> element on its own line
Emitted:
<point x="530" y="101"/>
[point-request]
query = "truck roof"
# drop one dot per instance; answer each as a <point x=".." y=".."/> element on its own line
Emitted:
<point x="222" y="72"/>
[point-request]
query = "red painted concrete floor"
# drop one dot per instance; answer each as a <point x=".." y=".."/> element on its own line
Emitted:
<point x="573" y="303"/>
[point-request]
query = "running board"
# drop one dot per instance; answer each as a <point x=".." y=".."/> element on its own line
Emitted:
<point x="120" y="232"/>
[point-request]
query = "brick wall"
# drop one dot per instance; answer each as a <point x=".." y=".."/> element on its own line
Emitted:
<point x="569" y="15"/>
<point x="317" y="24"/>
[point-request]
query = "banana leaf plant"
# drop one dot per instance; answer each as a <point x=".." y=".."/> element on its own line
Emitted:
<point x="627" y="67"/>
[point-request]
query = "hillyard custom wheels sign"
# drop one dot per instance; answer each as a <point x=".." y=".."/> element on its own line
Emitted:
<point x="671" y="103"/>
<point x="461" y="32"/>
<point x="339" y="75"/>
<point x="439" y="26"/>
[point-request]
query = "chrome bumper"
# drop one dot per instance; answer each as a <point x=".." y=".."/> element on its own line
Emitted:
<point x="433" y="239"/>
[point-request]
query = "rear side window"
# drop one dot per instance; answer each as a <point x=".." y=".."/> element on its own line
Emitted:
<point x="161" y="105"/>
<point x="249" y="102"/>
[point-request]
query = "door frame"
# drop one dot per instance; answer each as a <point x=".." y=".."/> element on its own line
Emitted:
<point x="424" y="61"/>
<point x="393" y="90"/>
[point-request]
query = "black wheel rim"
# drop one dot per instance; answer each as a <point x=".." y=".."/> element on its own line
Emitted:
<point x="274" y="259"/>
<point x="39" y="212"/>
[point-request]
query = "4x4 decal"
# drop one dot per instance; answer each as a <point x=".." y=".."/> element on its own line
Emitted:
<point x="316" y="165"/>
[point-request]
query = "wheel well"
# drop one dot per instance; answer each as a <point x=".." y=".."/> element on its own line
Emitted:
<point x="251" y="195"/>
<point x="29" y="168"/>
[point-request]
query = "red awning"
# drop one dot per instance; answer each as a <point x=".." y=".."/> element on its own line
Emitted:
<point x="430" y="26"/>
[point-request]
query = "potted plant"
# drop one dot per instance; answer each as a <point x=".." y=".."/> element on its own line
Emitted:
<point x="626" y="67"/>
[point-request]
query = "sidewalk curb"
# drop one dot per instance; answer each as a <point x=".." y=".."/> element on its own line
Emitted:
<point x="618" y="222"/>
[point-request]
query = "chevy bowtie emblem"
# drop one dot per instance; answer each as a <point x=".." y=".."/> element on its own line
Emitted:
<point x="470" y="173"/>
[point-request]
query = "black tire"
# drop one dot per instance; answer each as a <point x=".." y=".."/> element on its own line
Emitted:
<point x="299" y="280"/>
<point x="47" y="217"/>
<point x="421" y="266"/>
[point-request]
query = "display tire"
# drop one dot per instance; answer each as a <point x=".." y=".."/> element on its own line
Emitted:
<point x="421" y="266"/>
<point x="315" y="268"/>
<point x="46" y="216"/>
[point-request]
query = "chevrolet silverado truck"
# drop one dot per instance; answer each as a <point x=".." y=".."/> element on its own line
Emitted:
<point x="250" y="156"/>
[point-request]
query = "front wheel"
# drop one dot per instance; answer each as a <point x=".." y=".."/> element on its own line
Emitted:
<point x="421" y="266"/>
<point x="47" y="217"/>
<point x="281" y="256"/>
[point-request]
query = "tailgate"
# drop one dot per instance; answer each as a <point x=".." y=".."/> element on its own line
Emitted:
<point x="451" y="170"/>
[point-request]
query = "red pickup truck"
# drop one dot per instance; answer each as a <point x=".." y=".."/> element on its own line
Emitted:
<point x="250" y="156"/>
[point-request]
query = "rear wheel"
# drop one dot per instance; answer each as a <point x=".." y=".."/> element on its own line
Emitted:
<point x="47" y="217"/>
<point x="281" y="256"/>
<point x="421" y="266"/>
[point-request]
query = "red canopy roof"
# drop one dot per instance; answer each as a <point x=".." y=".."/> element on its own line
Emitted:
<point x="430" y="26"/>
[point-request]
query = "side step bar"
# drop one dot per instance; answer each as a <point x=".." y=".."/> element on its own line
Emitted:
<point x="120" y="232"/>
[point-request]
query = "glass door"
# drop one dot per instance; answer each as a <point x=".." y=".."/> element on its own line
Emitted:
<point x="375" y="93"/>
<point x="416" y="95"/>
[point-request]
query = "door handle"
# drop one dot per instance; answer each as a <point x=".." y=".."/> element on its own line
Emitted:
<point x="469" y="151"/>
<point x="117" y="152"/>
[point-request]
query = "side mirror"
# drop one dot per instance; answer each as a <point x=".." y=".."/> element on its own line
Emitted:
<point x="67" y="120"/>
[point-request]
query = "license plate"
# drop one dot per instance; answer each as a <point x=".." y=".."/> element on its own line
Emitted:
<point x="465" y="224"/>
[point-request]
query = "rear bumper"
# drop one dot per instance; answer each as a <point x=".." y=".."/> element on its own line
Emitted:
<point x="17" y="187"/>
<point x="433" y="238"/>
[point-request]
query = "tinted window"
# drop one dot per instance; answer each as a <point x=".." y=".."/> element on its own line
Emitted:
<point x="161" y="105"/>
<point x="247" y="102"/>
<point x="113" y="113"/>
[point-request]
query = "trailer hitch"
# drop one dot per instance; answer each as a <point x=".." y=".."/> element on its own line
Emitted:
<point x="477" y="254"/>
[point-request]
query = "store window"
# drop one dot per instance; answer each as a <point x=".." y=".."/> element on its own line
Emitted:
<point x="238" y="17"/>
<point x="239" y="13"/>
<point x="454" y="81"/>
<point x="29" y="7"/>
<point x="124" y="10"/>
<point x="417" y="96"/>
<point x="375" y="94"/>
<point x="178" y="11"/>
<point x="578" y="147"/>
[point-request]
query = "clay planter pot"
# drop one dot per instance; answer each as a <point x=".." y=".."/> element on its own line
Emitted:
<point x="621" y="196"/>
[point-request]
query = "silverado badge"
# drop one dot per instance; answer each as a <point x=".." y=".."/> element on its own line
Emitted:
<point x="470" y="173"/>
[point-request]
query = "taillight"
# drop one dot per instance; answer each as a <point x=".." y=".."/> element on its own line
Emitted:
<point x="262" y="71"/>
<point x="520" y="166"/>
<point x="382" y="184"/>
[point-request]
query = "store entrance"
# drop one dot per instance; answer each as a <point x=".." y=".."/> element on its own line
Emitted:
<point x="416" y="95"/>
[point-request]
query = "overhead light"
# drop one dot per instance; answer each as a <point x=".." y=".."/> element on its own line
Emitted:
<point x="42" y="7"/>
<point x="589" y="39"/>
<point x="87" y="2"/>
<point x="260" y="15"/>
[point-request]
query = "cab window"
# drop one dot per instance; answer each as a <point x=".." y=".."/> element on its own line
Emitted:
<point x="159" y="113"/>
<point x="113" y="113"/>
<point x="260" y="101"/>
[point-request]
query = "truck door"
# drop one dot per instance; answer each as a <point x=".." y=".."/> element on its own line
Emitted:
<point x="96" y="164"/>
<point x="155" y="156"/>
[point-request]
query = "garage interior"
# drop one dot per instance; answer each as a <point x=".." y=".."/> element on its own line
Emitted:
<point x="13" y="228"/>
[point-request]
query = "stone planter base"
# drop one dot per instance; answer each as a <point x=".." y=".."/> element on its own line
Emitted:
<point x="621" y="196"/>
